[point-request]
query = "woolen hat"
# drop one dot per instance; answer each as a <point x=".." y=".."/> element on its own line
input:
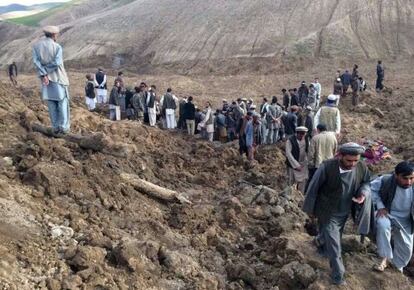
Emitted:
<point x="51" y="29"/>
<point x="351" y="148"/>
<point x="301" y="129"/>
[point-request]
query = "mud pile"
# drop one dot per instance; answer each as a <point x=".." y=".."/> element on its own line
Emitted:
<point x="70" y="221"/>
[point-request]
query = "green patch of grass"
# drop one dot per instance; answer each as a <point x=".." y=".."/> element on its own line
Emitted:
<point x="34" y="20"/>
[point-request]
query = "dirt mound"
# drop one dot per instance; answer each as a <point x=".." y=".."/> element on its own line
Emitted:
<point x="69" y="220"/>
<point x="148" y="33"/>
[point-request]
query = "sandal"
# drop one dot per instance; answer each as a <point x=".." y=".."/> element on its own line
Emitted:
<point x="380" y="267"/>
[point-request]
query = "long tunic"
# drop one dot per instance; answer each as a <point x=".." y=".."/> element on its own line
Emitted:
<point x="302" y="175"/>
<point x="48" y="60"/>
<point x="249" y="132"/>
<point x="322" y="147"/>
<point x="320" y="178"/>
<point x="330" y="116"/>
<point x="401" y="204"/>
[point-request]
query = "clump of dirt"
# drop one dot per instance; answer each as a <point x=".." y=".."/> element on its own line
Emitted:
<point x="69" y="220"/>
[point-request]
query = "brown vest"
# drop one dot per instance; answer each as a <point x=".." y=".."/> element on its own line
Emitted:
<point x="328" y="117"/>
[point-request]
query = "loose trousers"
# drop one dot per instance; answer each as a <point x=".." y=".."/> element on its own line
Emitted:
<point x="59" y="113"/>
<point x="331" y="234"/>
<point x="190" y="126"/>
<point x="272" y="136"/>
<point x="90" y="103"/>
<point x="379" y="86"/>
<point x="101" y="96"/>
<point x="301" y="185"/>
<point x="265" y="132"/>
<point x="152" y="116"/>
<point x="170" y="119"/>
<point x="401" y="236"/>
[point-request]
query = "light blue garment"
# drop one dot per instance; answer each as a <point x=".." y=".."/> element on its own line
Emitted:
<point x="59" y="113"/>
<point x="399" y="231"/>
<point x="402" y="202"/>
<point x="48" y="61"/>
<point x="273" y="136"/>
<point x="54" y="92"/>
<point x="249" y="133"/>
<point x="397" y="226"/>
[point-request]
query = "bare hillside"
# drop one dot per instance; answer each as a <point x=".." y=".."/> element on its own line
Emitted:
<point x="193" y="32"/>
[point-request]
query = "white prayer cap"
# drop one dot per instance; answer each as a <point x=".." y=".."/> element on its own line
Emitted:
<point x="301" y="129"/>
<point x="332" y="98"/>
<point x="51" y="29"/>
<point x="338" y="79"/>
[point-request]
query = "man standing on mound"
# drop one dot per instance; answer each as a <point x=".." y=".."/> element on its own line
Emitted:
<point x="48" y="61"/>
<point x="338" y="185"/>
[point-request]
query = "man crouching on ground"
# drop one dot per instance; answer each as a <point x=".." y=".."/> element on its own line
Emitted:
<point x="393" y="197"/>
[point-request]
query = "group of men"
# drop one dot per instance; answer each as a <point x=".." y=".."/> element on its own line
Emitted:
<point x="337" y="180"/>
<point x="342" y="186"/>
<point x="141" y="103"/>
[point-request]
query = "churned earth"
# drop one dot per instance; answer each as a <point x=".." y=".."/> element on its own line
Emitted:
<point x="76" y="215"/>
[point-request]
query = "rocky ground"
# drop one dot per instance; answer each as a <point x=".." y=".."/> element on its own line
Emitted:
<point x="70" y="219"/>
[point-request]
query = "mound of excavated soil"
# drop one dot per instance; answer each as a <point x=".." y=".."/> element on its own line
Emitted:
<point x="69" y="220"/>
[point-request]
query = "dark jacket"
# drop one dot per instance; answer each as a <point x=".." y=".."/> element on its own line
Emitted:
<point x="295" y="148"/>
<point x="290" y="122"/>
<point x="324" y="193"/>
<point x="99" y="77"/>
<point x="189" y="111"/>
<point x="138" y="105"/>
<point x="387" y="194"/>
<point x="12" y="70"/>
<point x="307" y="121"/>
<point x="387" y="191"/>
<point x="355" y="85"/>
<point x="90" y="89"/>
<point x="220" y="120"/>
<point x="286" y="100"/>
<point x="346" y="79"/>
<point x="151" y="100"/>
<point x="128" y="97"/>
<point x="337" y="89"/>
<point x="303" y="93"/>
<point x="169" y="102"/>
<point x="113" y="97"/>
<point x="380" y="71"/>
<point x="294" y="100"/>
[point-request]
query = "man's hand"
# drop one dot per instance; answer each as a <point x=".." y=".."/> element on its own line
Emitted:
<point x="45" y="80"/>
<point x="383" y="212"/>
<point x="299" y="168"/>
<point x="359" y="199"/>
